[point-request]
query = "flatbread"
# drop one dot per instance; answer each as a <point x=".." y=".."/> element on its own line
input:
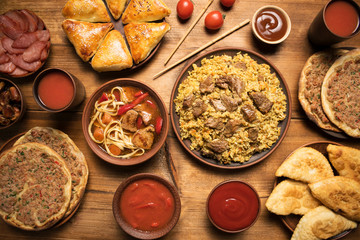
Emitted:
<point x="86" y="37"/>
<point x="145" y="11"/>
<point x="113" y="54"/>
<point x="340" y="194"/>
<point x="291" y="197"/>
<point x="345" y="160"/>
<point x="340" y="93"/>
<point x="305" y="164"/>
<point x="35" y="186"/>
<point x="311" y="79"/>
<point x="67" y="149"/>
<point x="116" y="7"/>
<point x="86" y="10"/>
<point x="143" y="38"/>
<point x="321" y="223"/>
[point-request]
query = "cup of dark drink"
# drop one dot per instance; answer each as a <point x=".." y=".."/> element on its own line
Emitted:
<point x="56" y="90"/>
<point x="339" y="20"/>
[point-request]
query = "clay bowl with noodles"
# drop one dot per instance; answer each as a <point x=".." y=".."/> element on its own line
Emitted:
<point x="125" y="122"/>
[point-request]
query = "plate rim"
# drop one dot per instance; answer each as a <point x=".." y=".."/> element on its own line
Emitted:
<point x="286" y="91"/>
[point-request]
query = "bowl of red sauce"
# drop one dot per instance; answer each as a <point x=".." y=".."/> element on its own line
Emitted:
<point x="233" y="206"/>
<point x="125" y="122"/>
<point x="146" y="206"/>
<point x="56" y="90"/>
<point x="271" y="24"/>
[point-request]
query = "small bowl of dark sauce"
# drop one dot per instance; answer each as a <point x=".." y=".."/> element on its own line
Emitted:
<point x="271" y="24"/>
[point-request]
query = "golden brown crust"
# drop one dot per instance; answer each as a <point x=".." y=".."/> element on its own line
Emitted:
<point x="113" y="54"/>
<point x="86" y="37"/>
<point x="291" y="197"/>
<point x="345" y="160"/>
<point x="116" y="7"/>
<point x="143" y="37"/>
<point x="316" y="67"/>
<point x="73" y="157"/>
<point x="145" y="11"/>
<point x="39" y="192"/>
<point x="305" y="164"/>
<point x="341" y="194"/>
<point x="321" y="223"/>
<point x="337" y="108"/>
<point x="86" y="10"/>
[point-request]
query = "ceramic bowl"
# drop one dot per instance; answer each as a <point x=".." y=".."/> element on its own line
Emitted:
<point x="233" y="206"/>
<point x="21" y="103"/>
<point x="285" y="16"/>
<point x="128" y="228"/>
<point x="88" y="110"/>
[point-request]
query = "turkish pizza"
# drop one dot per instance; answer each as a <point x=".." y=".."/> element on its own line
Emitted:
<point x="35" y="186"/>
<point x="311" y="79"/>
<point x="340" y="93"/>
<point x="74" y="159"/>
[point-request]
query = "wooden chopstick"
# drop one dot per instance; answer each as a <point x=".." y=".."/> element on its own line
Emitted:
<point x="189" y="30"/>
<point x="203" y="47"/>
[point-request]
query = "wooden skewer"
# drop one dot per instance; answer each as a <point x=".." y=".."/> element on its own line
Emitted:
<point x="202" y="48"/>
<point x="188" y="31"/>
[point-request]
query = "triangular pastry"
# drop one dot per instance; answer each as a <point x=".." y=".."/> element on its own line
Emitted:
<point x="113" y="54"/>
<point x="321" y="223"/>
<point x="341" y="194"/>
<point x="305" y="164"/>
<point x="345" y="160"/>
<point x="143" y="37"/>
<point x="116" y="7"/>
<point x="145" y="11"/>
<point x="86" y="37"/>
<point x="86" y="10"/>
<point x="291" y="197"/>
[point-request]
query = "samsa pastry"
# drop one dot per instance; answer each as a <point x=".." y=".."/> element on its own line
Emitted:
<point x="86" y="10"/>
<point x="143" y="37"/>
<point x="341" y="194"/>
<point x="145" y="11"/>
<point x="321" y="223"/>
<point x="116" y="7"/>
<point x="291" y="197"/>
<point x="305" y="164"/>
<point x="86" y="37"/>
<point x="345" y="160"/>
<point x="113" y="54"/>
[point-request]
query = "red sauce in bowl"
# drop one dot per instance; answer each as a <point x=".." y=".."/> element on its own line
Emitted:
<point x="233" y="206"/>
<point x="56" y="90"/>
<point x="271" y="24"/>
<point x="342" y="18"/>
<point x="147" y="205"/>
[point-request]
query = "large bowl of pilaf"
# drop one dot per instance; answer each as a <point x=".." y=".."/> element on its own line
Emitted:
<point x="230" y="108"/>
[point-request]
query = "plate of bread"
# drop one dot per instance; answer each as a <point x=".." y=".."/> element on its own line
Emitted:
<point x="46" y="180"/>
<point x="317" y="191"/>
<point x="115" y="35"/>
<point x="329" y="91"/>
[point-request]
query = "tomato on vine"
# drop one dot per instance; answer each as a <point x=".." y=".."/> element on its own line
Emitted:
<point x="184" y="9"/>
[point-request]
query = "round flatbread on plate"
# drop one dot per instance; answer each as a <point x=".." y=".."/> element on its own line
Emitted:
<point x="35" y="187"/>
<point x="340" y="93"/>
<point x="311" y="79"/>
<point x="66" y="148"/>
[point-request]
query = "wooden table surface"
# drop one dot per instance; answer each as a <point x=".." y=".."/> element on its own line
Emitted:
<point x="94" y="219"/>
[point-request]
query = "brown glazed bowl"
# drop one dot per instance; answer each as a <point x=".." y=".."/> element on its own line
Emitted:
<point x="8" y="84"/>
<point x="88" y="110"/>
<point x="146" y="234"/>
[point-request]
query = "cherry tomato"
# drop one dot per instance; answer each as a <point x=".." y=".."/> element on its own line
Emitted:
<point x="184" y="9"/>
<point x="227" y="3"/>
<point x="214" y="20"/>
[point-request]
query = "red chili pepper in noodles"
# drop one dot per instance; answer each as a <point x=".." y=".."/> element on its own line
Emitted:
<point x="104" y="97"/>
<point x="127" y="107"/>
<point x="158" y="125"/>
